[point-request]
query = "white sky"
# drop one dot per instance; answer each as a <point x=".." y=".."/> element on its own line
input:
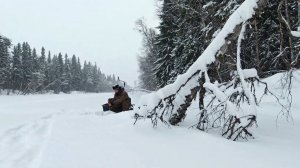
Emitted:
<point x="100" y="31"/>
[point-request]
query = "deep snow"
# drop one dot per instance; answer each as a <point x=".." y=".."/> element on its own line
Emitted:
<point x="68" y="131"/>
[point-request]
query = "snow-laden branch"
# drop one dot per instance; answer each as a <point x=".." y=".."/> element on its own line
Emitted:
<point x="295" y="33"/>
<point x="248" y="93"/>
<point x="159" y="102"/>
<point x="235" y="106"/>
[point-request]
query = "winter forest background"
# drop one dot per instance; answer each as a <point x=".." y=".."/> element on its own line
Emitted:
<point x="188" y="27"/>
<point x="185" y="30"/>
<point x="219" y="49"/>
<point x="211" y="72"/>
<point x="24" y="70"/>
<point x="217" y="52"/>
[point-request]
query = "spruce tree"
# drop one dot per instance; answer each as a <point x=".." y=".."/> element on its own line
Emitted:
<point x="36" y="78"/>
<point x="60" y="65"/>
<point x="55" y="74"/>
<point x="95" y="78"/>
<point x="165" y="42"/>
<point x="48" y="76"/>
<point x="17" y="76"/>
<point x="67" y="76"/>
<point x="35" y="61"/>
<point x="79" y="75"/>
<point x="75" y="74"/>
<point x="26" y="66"/>
<point x="5" y="75"/>
<point x="42" y="69"/>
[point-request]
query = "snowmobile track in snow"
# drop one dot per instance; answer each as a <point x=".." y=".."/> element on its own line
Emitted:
<point x="23" y="146"/>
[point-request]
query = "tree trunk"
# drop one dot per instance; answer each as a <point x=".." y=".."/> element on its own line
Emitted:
<point x="203" y="113"/>
<point x="257" y="47"/>
<point x="298" y="15"/>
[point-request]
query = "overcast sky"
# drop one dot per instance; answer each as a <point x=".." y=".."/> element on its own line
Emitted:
<point x="100" y="31"/>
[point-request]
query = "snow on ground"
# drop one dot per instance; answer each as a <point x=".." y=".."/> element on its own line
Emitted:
<point x="67" y="131"/>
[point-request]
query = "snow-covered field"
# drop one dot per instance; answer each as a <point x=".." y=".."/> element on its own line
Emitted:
<point x="65" y="131"/>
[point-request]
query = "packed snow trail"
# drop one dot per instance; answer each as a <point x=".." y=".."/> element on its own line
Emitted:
<point x="23" y="146"/>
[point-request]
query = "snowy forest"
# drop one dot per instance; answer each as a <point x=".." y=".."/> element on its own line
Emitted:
<point x="23" y="70"/>
<point x="188" y="27"/>
<point x="207" y="83"/>
<point x="217" y="52"/>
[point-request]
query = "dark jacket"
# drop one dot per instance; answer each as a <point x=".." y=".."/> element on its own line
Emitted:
<point x="120" y="102"/>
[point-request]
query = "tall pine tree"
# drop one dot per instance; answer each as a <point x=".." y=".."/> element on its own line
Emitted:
<point x="5" y="75"/>
<point x="17" y="71"/>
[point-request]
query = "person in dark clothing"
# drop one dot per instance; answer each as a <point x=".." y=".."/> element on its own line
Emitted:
<point x="121" y="101"/>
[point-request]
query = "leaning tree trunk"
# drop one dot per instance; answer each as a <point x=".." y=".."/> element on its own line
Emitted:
<point x="203" y="113"/>
<point x="174" y="99"/>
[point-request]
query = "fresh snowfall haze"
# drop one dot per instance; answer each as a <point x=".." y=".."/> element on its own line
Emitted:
<point x="218" y="84"/>
<point x="94" y="30"/>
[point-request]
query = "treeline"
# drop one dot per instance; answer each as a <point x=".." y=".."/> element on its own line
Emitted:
<point x="24" y="70"/>
<point x="188" y="27"/>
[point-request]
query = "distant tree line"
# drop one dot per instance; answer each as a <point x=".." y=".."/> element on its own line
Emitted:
<point x="24" y="70"/>
<point x="188" y="27"/>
